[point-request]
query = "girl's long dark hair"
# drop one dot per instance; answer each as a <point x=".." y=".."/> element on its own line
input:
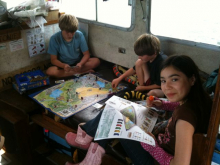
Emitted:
<point x="197" y="95"/>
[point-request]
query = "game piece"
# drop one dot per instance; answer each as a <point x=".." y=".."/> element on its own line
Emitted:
<point x="59" y="81"/>
<point x="74" y="67"/>
<point x="77" y="75"/>
<point x="151" y="98"/>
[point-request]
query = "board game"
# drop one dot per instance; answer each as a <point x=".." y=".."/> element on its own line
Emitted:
<point x="30" y="80"/>
<point x="74" y="95"/>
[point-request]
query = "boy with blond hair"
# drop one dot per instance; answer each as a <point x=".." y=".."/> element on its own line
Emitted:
<point x="69" y="51"/>
<point x="147" y="67"/>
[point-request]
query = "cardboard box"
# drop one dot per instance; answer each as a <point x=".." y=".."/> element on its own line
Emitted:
<point x="10" y="34"/>
<point x="52" y="15"/>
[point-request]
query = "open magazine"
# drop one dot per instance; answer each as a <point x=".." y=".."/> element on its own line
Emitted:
<point x="127" y="120"/>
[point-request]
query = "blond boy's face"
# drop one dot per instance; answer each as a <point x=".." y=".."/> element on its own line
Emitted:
<point x="68" y="36"/>
<point x="146" y="58"/>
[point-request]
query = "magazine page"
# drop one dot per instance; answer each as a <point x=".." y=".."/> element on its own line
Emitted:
<point x="124" y="119"/>
<point x="140" y="115"/>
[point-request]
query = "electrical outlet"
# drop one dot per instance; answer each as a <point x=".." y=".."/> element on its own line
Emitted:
<point x="122" y="50"/>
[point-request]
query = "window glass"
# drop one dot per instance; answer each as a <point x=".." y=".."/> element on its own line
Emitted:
<point x="80" y="8"/>
<point x="193" y="20"/>
<point x="112" y="12"/>
<point x="13" y="3"/>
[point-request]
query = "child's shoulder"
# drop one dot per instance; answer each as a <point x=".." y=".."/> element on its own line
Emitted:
<point x="78" y="33"/>
<point x="159" y="59"/>
<point x="56" y="38"/>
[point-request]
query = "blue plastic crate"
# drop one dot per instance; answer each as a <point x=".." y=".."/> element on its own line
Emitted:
<point x="216" y="153"/>
<point x="30" y="80"/>
<point x="51" y="136"/>
<point x="216" y="157"/>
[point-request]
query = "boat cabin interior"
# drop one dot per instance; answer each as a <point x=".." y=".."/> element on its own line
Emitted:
<point x="35" y="135"/>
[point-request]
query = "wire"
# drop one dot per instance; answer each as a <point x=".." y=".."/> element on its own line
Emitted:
<point x="142" y="10"/>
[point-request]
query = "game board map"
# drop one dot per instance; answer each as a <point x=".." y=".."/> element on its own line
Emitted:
<point x="75" y="95"/>
<point x="127" y="120"/>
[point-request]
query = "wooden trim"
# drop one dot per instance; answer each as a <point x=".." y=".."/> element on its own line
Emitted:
<point x="198" y="149"/>
<point x="57" y="128"/>
<point x="213" y="125"/>
<point x="203" y="146"/>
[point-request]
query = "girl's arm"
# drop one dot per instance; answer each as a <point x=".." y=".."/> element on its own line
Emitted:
<point x="163" y="105"/>
<point x="184" y="143"/>
<point x="147" y="88"/>
<point x="183" y="147"/>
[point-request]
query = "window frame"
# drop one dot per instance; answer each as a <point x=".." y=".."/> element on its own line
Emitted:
<point x="94" y="22"/>
<point x="176" y="40"/>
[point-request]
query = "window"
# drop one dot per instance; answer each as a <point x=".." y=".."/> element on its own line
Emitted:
<point x="189" y="20"/>
<point x="80" y="8"/>
<point x="13" y="3"/>
<point x="111" y="13"/>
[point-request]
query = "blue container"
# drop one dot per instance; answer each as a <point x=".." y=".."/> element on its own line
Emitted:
<point x="216" y="157"/>
<point x="30" y="80"/>
<point x="216" y="153"/>
<point x="59" y="140"/>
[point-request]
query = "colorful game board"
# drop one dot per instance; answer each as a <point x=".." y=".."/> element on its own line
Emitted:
<point x="74" y="95"/>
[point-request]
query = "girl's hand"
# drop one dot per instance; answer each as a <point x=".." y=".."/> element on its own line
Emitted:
<point x="152" y="103"/>
<point x="149" y="147"/>
<point x="149" y="133"/>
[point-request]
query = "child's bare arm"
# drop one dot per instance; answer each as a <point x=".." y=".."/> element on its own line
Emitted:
<point x="147" y="88"/>
<point x="116" y="81"/>
<point x="86" y="56"/>
<point x="57" y="62"/>
<point x="129" y="72"/>
<point x="184" y="133"/>
<point x="166" y="105"/>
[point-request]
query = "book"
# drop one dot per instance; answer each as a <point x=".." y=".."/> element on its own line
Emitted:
<point x="127" y="120"/>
